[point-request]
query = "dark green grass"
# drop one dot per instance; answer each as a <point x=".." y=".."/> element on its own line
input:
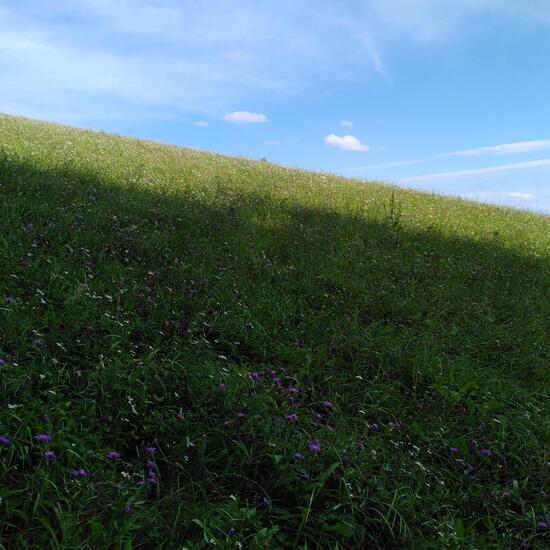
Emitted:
<point x="152" y="274"/>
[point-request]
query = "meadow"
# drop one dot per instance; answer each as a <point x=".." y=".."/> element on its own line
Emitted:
<point x="201" y="351"/>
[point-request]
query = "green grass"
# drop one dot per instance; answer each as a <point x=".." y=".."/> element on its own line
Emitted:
<point x="151" y="274"/>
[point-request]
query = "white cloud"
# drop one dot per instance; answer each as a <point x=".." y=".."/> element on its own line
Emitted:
<point x="346" y="124"/>
<point x="244" y="117"/>
<point x="346" y="143"/>
<point x="201" y="123"/>
<point x="480" y="171"/>
<point x="522" y="147"/>
<point x="503" y="195"/>
<point x="505" y="149"/>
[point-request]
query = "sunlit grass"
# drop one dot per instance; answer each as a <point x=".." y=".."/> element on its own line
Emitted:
<point x="226" y="352"/>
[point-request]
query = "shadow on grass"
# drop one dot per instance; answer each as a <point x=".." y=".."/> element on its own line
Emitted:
<point x="355" y="280"/>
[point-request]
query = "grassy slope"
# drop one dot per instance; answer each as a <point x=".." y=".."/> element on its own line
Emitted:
<point x="152" y="274"/>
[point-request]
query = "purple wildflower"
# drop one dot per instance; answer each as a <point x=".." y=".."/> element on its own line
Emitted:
<point x="43" y="438"/>
<point x="46" y="418"/>
<point x="5" y="440"/>
<point x="256" y="376"/>
<point x="375" y="426"/>
<point x="9" y="300"/>
<point x="222" y="386"/>
<point x="292" y="417"/>
<point x="231" y="532"/>
<point x="114" y="455"/>
<point x="327" y="404"/>
<point x="2" y="362"/>
<point x="293" y="390"/>
<point x="314" y="446"/>
<point x="152" y="477"/>
<point x="38" y="342"/>
<point x="360" y="445"/>
<point x="486" y="452"/>
<point x="50" y="455"/>
<point x="345" y="458"/>
<point x="240" y="414"/>
<point x="150" y="450"/>
<point x="507" y="494"/>
<point x="80" y="472"/>
<point x="454" y="449"/>
<point x="128" y="510"/>
<point x="298" y="456"/>
<point x="306" y="476"/>
<point x="266" y="501"/>
<point x="542" y="524"/>
<point x="151" y="465"/>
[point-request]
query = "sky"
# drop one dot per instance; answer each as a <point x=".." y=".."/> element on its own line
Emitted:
<point x="449" y="96"/>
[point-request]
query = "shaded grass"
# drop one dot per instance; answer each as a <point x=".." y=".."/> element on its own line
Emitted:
<point x="154" y="274"/>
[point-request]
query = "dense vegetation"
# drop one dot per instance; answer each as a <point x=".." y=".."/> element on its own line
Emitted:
<point x="201" y="351"/>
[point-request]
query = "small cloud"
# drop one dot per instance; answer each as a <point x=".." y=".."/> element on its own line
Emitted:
<point x="244" y="117"/>
<point x="346" y="143"/>
<point x="505" y="195"/>
<point x="346" y="124"/>
<point x="481" y="171"/>
<point x="272" y="142"/>
<point x="201" y="123"/>
<point x="504" y="149"/>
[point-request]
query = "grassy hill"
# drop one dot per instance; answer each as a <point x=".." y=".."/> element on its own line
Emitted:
<point x="226" y="352"/>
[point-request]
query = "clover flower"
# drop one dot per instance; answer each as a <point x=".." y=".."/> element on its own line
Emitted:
<point x="43" y="438"/>
<point x="314" y="446"/>
<point x="80" y="472"/>
<point x="114" y="455"/>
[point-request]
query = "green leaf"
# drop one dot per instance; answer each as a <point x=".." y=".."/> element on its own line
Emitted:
<point x="344" y="529"/>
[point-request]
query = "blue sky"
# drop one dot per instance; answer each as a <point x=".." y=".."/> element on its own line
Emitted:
<point x="452" y="96"/>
